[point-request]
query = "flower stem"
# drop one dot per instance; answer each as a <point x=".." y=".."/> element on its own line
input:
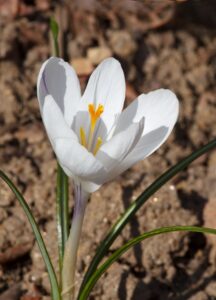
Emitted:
<point x="71" y="248"/>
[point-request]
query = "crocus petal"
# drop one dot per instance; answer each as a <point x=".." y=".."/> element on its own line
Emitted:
<point x="112" y="153"/>
<point x="160" y="110"/>
<point x="54" y="121"/>
<point x="58" y="78"/>
<point x="118" y="147"/>
<point x="90" y="187"/>
<point x="106" y="86"/>
<point x="87" y="186"/>
<point x="78" y="161"/>
<point x="147" y="145"/>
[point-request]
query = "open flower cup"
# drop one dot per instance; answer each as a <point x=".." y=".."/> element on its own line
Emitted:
<point x="93" y="138"/>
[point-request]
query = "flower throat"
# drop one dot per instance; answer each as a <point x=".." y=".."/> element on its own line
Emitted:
<point x="94" y="116"/>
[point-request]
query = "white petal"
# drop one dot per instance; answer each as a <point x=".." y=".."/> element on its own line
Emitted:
<point x="146" y="146"/>
<point x="89" y="187"/>
<point x="54" y="121"/>
<point x="112" y="153"/>
<point x="160" y="110"/>
<point x="76" y="159"/>
<point x="58" y="78"/>
<point x="118" y="147"/>
<point x="106" y="86"/>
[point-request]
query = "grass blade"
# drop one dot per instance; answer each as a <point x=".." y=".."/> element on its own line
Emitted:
<point x="99" y="272"/>
<point x="52" y="276"/>
<point x="134" y="207"/>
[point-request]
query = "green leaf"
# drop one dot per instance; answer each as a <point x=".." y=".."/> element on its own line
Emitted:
<point x="84" y="293"/>
<point x="52" y="276"/>
<point x="54" y="30"/>
<point x="54" y="27"/>
<point x="62" y="211"/>
<point x="134" y="207"/>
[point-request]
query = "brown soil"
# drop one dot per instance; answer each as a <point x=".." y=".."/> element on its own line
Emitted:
<point x="160" y="44"/>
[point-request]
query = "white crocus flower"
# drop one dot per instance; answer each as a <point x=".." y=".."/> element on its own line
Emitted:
<point x="95" y="141"/>
<point x="92" y="138"/>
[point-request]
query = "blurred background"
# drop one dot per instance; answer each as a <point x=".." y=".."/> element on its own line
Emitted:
<point x="160" y="43"/>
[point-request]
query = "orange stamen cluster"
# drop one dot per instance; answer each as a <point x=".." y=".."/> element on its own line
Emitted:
<point x="94" y="116"/>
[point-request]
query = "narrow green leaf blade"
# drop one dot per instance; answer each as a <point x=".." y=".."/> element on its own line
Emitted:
<point x="52" y="276"/>
<point x="62" y="210"/>
<point x="84" y="293"/>
<point x="55" y="31"/>
<point x="134" y="207"/>
<point x="54" y="28"/>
